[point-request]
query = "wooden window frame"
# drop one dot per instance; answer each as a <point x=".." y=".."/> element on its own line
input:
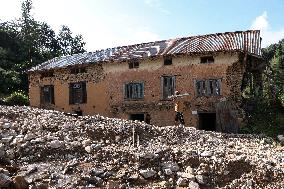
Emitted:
<point x="133" y="64"/>
<point x="208" y="87"/>
<point x="77" y="93"/>
<point x="133" y="91"/>
<point x="47" y="94"/>
<point x="169" y="89"/>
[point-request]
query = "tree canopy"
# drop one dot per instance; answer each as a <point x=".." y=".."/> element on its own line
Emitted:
<point x="26" y="42"/>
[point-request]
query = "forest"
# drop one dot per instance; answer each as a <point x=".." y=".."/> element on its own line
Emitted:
<point x="26" y="42"/>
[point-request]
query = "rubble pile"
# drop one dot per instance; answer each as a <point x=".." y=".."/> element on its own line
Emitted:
<point x="49" y="149"/>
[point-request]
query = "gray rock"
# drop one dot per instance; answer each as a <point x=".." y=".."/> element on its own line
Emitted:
<point x="97" y="171"/>
<point x="201" y="179"/>
<point x="56" y="144"/>
<point x="5" y="180"/>
<point x="193" y="185"/>
<point x="280" y="138"/>
<point x="170" y="165"/>
<point x="147" y="173"/>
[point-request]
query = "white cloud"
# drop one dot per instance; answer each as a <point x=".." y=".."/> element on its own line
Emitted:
<point x="157" y="4"/>
<point x="268" y="34"/>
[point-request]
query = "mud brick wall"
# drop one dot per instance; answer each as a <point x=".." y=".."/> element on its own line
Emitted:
<point x="61" y="80"/>
<point x="105" y="87"/>
<point x="187" y="69"/>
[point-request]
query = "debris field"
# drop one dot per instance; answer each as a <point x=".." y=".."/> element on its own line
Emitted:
<point x="49" y="149"/>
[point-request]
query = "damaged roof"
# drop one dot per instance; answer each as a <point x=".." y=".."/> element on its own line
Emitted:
<point x="245" y="41"/>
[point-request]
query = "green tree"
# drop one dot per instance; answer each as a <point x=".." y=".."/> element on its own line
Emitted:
<point x="26" y="42"/>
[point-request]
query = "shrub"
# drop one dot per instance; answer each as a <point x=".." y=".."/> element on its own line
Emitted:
<point x="265" y="118"/>
<point x="17" y="98"/>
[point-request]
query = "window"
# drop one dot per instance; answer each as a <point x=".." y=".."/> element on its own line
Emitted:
<point x="77" y="93"/>
<point x="206" y="59"/>
<point x="134" y="91"/>
<point x="47" y="94"/>
<point x="133" y="64"/>
<point x="168" y="61"/>
<point x="208" y="87"/>
<point x="201" y="88"/>
<point x="168" y="86"/>
<point x="47" y="74"/>
<point x="78" y="70"/>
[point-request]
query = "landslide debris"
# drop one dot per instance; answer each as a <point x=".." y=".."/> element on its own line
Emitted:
<point x="49" y="149"/>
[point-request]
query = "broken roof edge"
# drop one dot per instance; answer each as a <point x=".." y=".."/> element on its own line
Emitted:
<point x="151" y="57"/>
<point x="170" y="46"/>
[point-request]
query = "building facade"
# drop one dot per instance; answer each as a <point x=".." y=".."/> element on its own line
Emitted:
<point x="135" y="82"/>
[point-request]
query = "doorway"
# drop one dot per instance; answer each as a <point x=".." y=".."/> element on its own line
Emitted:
<point x="207" y="121"/>
<point x="78" y="112"/>
<point x="138" y="117"/>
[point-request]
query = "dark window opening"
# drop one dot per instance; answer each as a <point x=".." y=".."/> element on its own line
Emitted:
<point x="133" y="64"/>
<point x="79" y="112"/>
<point x="207" y="59"/>
<point x="47" y="94"/>
<point x="211" y="87"/>
<point x="78" y="70"/>
<point x="207" y="121"/>
<point x="168" y="86"/>
<point x="77" y="93"/>
<point x="200" y="87"/>
<point x="134" y="91"/>
<point x="168" y="61"/>
<point x="138" y="117"/>
<point x="47" y="74"/>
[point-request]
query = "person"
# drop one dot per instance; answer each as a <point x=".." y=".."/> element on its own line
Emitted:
<point x="179" y="106"/>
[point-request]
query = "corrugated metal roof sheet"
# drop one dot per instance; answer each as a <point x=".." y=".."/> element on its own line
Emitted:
<point x="246" y="41"/>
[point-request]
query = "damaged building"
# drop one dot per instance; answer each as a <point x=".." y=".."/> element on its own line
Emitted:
<point x="135" y="81"/>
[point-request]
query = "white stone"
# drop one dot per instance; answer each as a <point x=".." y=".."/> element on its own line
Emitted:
<point x="193" y="185"/>
<point x="7" y="139"/>
<point x="168" y="171"/>
<point x="89" y="149"/>
<point x="182" y="182"/>
<point x="189" y="170"/>
<point x="189" y="176"/>
<point x="206" y="154"/>
<point x="200" y="179"/>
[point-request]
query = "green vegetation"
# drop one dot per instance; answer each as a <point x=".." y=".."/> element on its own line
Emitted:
<point x="26" y="42"/>
<point x="267" y="112"/>
<point x="17" y="98"/>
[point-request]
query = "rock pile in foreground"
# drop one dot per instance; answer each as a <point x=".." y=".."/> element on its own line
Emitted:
<point x="47" y="149"/>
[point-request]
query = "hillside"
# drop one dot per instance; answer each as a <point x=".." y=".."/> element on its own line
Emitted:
<point x="48" y="148"/>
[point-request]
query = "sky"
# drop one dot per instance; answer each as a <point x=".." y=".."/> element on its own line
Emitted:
<point x="110" y="23"/>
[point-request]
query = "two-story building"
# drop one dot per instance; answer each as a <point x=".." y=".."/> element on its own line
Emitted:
<point x="135" y="81"/>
